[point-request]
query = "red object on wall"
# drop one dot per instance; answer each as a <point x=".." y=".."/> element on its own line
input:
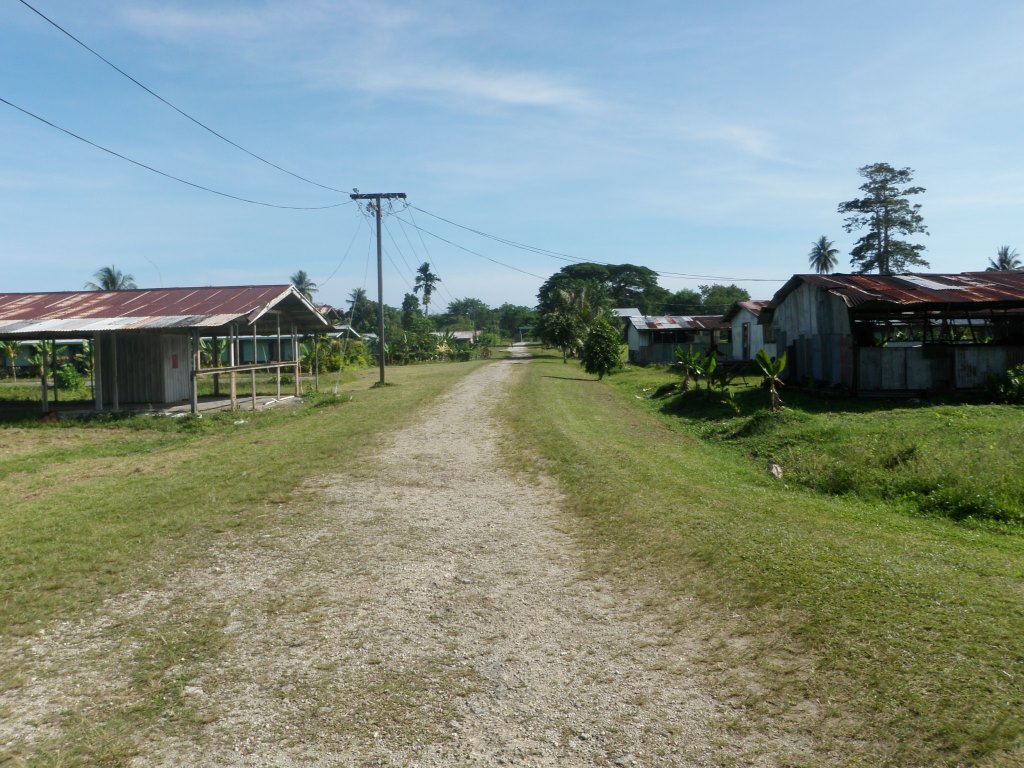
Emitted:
<point x="174" y="361"/>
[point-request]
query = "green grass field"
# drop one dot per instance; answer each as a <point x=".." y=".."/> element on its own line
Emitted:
<point x="880" y="636"/>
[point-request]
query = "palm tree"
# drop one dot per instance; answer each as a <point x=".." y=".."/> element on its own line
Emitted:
<point x="1006" y="259"/>
<point x="426" y="280"/>
<point x="303" y="284"/>
<point x="111" y="279"/>
<point x="823" y="255"/>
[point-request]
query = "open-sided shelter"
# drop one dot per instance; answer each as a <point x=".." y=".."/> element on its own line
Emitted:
<point x="909" y="333"/>
<point x="146" y="343"/>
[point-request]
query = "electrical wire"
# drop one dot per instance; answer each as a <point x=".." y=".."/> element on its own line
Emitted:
<point x="352" y="242"/>
<point x="440" y="286"/>
<point x="579" y="260"/>
<point x="469" y="250"/>
<point x="168" y="175"/>
<point x="428" y="258"/>
<point x="172" y="106"/>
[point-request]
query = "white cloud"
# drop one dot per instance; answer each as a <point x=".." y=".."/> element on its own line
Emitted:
<point x="361" y="45"/>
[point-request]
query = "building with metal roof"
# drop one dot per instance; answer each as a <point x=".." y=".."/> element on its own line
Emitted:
<point x="146" y="343"/>
<point x="747" y="333"/>
<point x="909" y="333"/>
<point x="654" y="339"/>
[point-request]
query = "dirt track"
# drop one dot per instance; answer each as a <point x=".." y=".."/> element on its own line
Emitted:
<point x="434" y="614"/>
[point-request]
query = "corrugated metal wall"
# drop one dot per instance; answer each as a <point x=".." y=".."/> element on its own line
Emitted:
<point x="931" y="367"/>
<point x="146" y="371"/>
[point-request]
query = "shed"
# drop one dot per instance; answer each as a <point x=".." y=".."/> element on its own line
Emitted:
<point x="910" y="333"/>
<point x="146" y="343"/>
<point x="654" y="339"/>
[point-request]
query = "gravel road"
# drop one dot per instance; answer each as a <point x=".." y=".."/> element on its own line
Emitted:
<point x="435" y="613"/>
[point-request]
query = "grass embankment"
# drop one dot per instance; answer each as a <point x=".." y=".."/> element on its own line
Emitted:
<point x="955" y="460"/>
<point x="871" y="636"/>
<point x="94" y="509"/>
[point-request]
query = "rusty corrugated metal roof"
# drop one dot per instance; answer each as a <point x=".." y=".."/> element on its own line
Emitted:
<point x="997" y="288"/>
<point x="70" y="312"/>
<point x="753" y="306"/>
<point x="677" y="322"/>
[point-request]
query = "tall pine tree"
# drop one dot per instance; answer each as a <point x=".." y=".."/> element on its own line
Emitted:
<point x="885" y="211"/>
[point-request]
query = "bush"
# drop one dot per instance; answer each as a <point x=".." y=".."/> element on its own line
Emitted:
<point x="602" y="350"/>
<point x="962" y="502"/>
<point x="68" y="377"/>
<point x="1009" y="388"/>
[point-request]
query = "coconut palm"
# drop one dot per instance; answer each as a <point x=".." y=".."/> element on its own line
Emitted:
<point x="303" y="284"/>
<point x="425" y="280"/>
<point x="1006" y="259"/>
<point x="823" y="255"/>
<point x="111" y="279"/>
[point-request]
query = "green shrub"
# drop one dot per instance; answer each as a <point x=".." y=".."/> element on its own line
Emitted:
<point x="68" y="377"/>
<point x="963" y="501"/>
<point x="1009" y="388"/>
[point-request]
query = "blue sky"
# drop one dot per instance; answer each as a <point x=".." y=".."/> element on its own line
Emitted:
<point x="712" y="140"/>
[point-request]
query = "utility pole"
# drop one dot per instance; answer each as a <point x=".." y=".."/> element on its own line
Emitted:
<point x="377" y="197"/>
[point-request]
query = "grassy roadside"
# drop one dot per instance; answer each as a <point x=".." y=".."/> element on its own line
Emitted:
<point x="870" y="637"/>
<point x="94" y="510"/>
<point x="89" y="508"/>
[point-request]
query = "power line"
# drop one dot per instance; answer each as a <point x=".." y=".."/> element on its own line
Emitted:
<point x="469" y="250"/>
<point x="429" y="258"/>
<point x="579" y="260"/>
<point x="441" y="287"/>
<point x="325" y="281"/>
<point x="181" y="112"/>
<point x="168" y="175"/>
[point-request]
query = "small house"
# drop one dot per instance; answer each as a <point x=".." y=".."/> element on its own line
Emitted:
<point x="747" y="333"/>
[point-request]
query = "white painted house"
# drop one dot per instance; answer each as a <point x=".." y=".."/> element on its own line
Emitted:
<point x="748" y="335"/>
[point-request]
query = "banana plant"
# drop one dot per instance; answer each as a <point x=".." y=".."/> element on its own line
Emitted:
<point x="692" y="364"/>
<point x="11" y="349"/>
<point x="772" y="368"/>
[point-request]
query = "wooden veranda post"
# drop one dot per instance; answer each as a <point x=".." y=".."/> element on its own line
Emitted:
<point x="97" y="375"/>
<point x="233" y="361"/>
<point x="197" y="363"/>
<point x="252" y="373"/>
<point x="279" y="361"/>
<point x="44" y="371"/>
<point x="295" y="358"/>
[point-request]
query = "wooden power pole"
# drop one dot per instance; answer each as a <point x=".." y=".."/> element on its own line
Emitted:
<point x="377" y="197"/>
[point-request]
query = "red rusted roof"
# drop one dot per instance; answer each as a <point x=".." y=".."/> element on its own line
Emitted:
<point x="677" y="322"/>
<point x="753" y="306"/>
<point x="994" y="289"/>
<point x="69" y="312"/>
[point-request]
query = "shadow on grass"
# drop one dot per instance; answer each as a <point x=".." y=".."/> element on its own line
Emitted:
<point x="571" y="378"/>
<point x="710" y="406"/>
